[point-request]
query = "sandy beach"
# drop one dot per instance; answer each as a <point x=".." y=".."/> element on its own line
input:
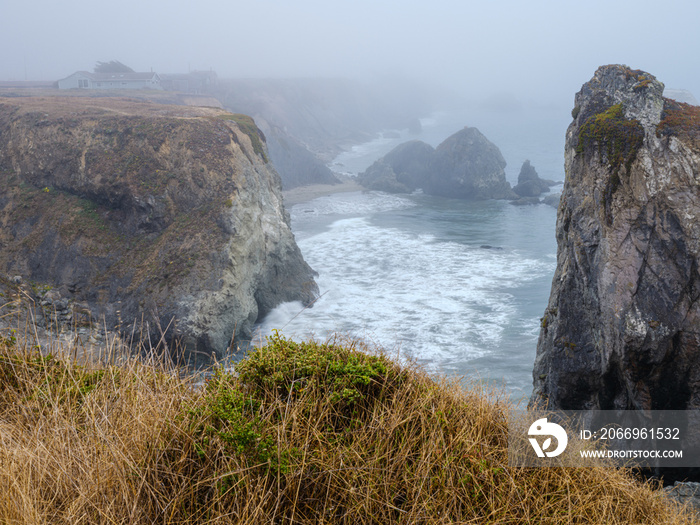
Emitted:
<point x="307" y="193"/>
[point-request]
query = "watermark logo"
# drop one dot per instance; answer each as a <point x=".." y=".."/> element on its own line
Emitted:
<point x="543" y="428"/>
<point x="630" y="438"/>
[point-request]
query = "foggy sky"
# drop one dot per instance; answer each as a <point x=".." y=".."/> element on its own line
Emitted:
<point x="539" y="50"/>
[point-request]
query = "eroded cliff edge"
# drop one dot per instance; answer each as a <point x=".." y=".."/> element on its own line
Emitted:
<point x="162" y="215"/>
<point x="622" y="327"/>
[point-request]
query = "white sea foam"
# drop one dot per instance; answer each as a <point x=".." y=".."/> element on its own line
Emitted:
<point x="441" y="301"/>
<point x="414" y="272"/>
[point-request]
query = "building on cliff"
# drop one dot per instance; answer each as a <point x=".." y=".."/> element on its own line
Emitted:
<point x="125" y="80"/>
<point x="622" y="327"/>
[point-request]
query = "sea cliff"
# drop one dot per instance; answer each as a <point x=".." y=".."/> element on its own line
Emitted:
<point x="169" y="217"/>
<point x="621" y="327"/>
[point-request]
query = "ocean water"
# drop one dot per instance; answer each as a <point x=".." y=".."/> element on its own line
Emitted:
<point x="458" y="286"/>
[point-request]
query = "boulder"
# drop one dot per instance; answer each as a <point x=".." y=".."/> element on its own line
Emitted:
<point x="412" y="162"/>
<point x="469" y="166"/>
<point x="404" y="169"/>
<point x="380" y="176"/>
<point x="552" y="199"/>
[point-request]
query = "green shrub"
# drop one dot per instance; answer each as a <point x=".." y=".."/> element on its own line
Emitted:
<point x="344" y="374"/>
<point x="297" y="433"/>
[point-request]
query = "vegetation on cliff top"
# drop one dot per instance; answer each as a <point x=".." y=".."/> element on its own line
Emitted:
<point x="248" y="126"/>
<point x="680" y="119"/>
<point x="302" y="433"/>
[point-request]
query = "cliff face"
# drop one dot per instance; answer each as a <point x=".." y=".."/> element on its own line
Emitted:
<point x="465" y="166"/>
<point x="141" y="211"/>
<point x="296" y="165"/>
<point x="621" y="329"/>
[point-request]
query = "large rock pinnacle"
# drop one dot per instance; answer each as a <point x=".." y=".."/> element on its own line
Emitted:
<point x="622" y="327"/>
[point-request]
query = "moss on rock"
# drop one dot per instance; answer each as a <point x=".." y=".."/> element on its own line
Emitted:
<point x="616" y="137"/>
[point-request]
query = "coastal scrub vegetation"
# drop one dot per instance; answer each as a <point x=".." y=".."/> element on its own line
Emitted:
<point x="679" y="118"/>
<point x="298" y="433"/>
<point x="247" y="125"/>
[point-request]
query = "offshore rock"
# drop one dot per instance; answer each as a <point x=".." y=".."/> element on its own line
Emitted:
<point x="552" y="199"/>
<point x="465" y="166"/>
<point x="469" y="166"/>
<point x="168" y="217"/>
<point x="526" y="201"/>
<point x="529" y="182"/>
<point x="404" y="169"/>
<point x="621" y="327"/>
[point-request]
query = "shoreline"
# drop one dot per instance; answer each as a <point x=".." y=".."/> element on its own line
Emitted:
<point x="313" y="191"/>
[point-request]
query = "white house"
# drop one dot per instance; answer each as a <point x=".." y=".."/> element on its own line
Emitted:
<point x="87" y="80"/>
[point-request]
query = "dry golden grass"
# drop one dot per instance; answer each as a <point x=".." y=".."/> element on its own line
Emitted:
<point x="303" y="433"/>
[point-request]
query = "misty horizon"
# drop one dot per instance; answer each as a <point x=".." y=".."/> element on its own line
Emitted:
<point x="537" y="51"/>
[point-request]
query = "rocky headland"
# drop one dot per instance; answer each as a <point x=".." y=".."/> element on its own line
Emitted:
<point x="135" y="212"/>
<point x="621" y="327"/>
<point x="464" y="166"/>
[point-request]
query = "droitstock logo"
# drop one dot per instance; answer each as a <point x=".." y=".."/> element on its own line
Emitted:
<point x="542" y="428"/>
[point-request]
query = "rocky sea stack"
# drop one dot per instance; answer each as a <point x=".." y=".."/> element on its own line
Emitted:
<point x="529" y="182"/>
<point x="621" y="327"/>
<point x="139" y="212"/>
<point x="465" y="166"/>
